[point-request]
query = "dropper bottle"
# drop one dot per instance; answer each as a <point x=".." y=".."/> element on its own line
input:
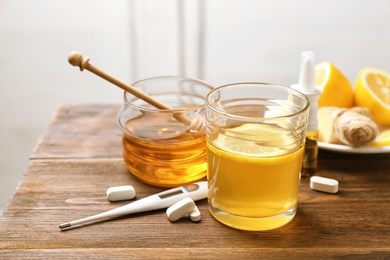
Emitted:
<point x="306" y="86"/>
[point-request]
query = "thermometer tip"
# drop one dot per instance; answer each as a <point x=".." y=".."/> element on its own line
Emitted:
<point x="65" y="225"/>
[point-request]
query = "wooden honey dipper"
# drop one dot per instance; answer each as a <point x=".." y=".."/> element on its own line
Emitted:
<point x="76" y="59"/>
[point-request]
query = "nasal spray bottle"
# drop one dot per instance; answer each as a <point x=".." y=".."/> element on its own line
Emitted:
<point x="306" y="85"/>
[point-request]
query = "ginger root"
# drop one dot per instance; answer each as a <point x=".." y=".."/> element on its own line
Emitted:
<point x="353" y="127"/>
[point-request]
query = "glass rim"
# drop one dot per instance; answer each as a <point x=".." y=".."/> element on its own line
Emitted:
<point x="173" y="110"/>
<point x="241" y="118"/>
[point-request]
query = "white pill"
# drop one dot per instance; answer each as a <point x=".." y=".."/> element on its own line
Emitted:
<point x="120" y="193"/>
<point x="324" y="184"/>
<point x="180" y="209"/>
<point x="195" y="215"/>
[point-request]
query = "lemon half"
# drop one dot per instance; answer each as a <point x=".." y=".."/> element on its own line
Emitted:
<point x="337" y="90"/>
<point x="372" y="90"/>
<point x="252" y="139"/>
<point x="383" y="139"/>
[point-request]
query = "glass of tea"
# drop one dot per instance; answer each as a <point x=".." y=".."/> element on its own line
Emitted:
<point x="165" y="147"/>
<point x="255" y="148"/>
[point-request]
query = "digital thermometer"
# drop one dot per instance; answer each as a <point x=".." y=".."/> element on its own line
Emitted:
<point x="165" y="199"/>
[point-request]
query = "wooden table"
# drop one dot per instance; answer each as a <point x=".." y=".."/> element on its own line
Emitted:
<point x="80" y="156"/>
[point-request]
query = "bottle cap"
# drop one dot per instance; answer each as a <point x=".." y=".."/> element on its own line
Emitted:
<point x="306" y="85"/>
<point x="307" y="72"/>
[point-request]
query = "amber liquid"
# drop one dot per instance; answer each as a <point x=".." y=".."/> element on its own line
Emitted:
<point x="309" y="166"/>
<point x="163" y="152"/>
<point x="253" y="192"/>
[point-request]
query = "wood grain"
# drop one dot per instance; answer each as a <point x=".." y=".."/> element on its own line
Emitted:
<point x="63" y="183"/>
<point x="81" y="132"/>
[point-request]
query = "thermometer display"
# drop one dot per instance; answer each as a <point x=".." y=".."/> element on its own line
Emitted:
<point x="167" y="195"/>
<point x="177" y="191"/>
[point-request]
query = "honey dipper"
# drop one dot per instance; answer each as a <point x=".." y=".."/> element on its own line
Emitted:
<point x="76" y="59"/>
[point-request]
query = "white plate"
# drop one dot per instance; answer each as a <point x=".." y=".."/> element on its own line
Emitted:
<point x="347" y="149"/>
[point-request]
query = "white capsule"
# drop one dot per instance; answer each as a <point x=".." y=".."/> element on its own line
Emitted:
<point x="324" y="184"/>
<point x="180" y="209"/>
<point x="120" y="193"/>
<point x="195" y="215"/>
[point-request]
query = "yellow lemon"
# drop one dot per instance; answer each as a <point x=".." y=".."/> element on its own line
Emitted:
<point x="372" y="90"/>
<point x="253" y="139"/>
<point x="383" y="139"/>
<point x="337" y="90"/>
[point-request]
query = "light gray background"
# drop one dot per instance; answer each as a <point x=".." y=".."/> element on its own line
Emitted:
<point x="220" y="41"/>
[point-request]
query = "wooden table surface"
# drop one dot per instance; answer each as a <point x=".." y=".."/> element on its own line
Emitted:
<point x="80" y="155"/>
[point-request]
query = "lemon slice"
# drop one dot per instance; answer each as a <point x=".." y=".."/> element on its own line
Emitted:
<point x="383" y="139"/>
<point x="337" y="90"/>
<point x="253" y="139"/>
<point x="372" y="90"/>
